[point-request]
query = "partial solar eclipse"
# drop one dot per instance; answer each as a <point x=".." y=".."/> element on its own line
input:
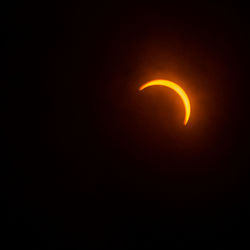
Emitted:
<point x="177" y="89"/>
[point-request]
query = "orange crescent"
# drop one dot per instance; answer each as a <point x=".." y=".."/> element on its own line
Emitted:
<point x="177" y="89"/>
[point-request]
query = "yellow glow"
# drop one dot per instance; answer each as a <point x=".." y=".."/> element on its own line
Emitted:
<point x="174" y="87"/>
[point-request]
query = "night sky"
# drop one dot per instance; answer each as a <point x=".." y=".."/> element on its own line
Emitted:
<point x="93" y="162"/>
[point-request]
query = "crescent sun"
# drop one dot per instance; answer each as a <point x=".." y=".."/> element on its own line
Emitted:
<point x="177" y="89"/>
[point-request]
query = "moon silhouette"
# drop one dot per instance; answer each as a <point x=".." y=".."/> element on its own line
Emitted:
<point x="177" y="89"/>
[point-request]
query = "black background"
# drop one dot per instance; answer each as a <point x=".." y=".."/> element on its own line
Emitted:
<point x="94" y="163"/>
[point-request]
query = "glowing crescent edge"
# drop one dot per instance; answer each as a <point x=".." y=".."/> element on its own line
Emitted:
<point x="174" y="87"/>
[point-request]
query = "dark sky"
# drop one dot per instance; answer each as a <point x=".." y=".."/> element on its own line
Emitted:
<point x="94" y="163"/>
